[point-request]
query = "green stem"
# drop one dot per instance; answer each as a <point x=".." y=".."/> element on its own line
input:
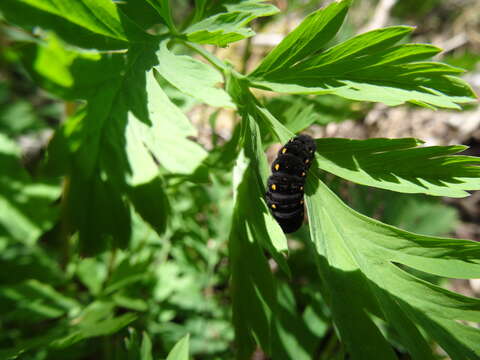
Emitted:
<point x="212" y="59"/>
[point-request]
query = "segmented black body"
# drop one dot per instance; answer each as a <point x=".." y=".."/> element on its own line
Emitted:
<point x="285" y="186"/>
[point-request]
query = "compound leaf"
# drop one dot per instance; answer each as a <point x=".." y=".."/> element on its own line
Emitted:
<point x="356" y="252"/>
<point x="367" y="67"/>
<point x="400" y="165"/>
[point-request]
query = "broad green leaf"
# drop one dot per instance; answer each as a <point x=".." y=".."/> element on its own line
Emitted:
<point x="92" y="273"/>
<point x="100" y="17"/>
<point x="311" y="35"/>
<point x="399" y="165"/>
<point x="180" y="350"/>
<point x="192" y="77"/>
<point x="227" y="27"/>
<point x="167" y="137"/>
<point x="356" y="252"/>
<point x="368" y="67"/>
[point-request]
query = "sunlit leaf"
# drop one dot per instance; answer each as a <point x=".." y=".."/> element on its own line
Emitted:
<point x="98" y="16"/>
<point x="312" y="34"/>
<point x="361" y="255"/>
<point x="192" y="77"/>
<point x="367" y="67"/>
<point x="180" y="350"/>
<point x="224" y="28"/>
<point x="400" y="165"/>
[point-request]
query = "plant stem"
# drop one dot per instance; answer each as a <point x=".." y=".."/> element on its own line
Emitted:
<point x="212" y="59"/>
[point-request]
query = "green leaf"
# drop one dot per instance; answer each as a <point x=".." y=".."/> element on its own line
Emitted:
<point x="420" y="214"/>
<point x="146" y="188"/>
<point x="97" y="210"/>
<point x="267" y="232"/>
<point x="368" y="67"/>
<point x="98" y="17"/>
<point x="92" y="273"/>
<point x="372" y="42"/>
<point x="297" y="112"/>
<point x="311" y="35"/>
<point x="227" y="27"/>
<point x="126" y="273"/>
<point x="61" y="71"/>
<point x="146" y="348"/>
<point x="100" y="328"/>
<point x="292" y="337"/>
<point x="167" y="137"/>
<point x="180" y="350"/>
<point x="393" y="164"/>
<point x="94" y="321"/>
<point x="25" y="206"/>
<point x="32" y="301"/>
<point x="18" y="117"/>
<point x="116" y="141"/>
<point x="360" y="255"/>
<point x="399" y="165"/>
<point x="252" y="285"/>
<point x="192" y="77"/>
<point x="165" y="12"/>
<point x="253" y="229"/>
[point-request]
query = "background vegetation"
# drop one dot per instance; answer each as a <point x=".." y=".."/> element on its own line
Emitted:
<point x="123" y="227"/>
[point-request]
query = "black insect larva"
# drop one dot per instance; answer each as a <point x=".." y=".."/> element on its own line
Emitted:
<point x="285" y="186"/>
